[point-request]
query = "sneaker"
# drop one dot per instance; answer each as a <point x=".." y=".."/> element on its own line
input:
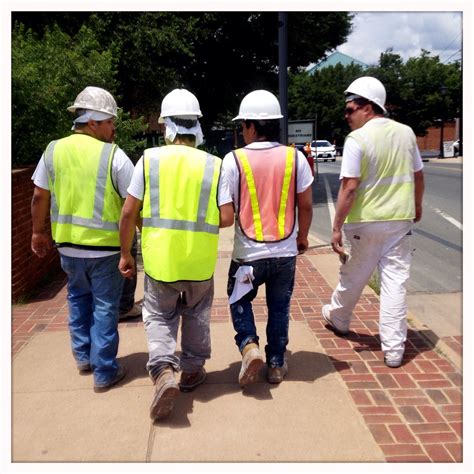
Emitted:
<point x="393" y="363"/>
<point x="166" y="391"/>
<point x="135" y="311"/>
<point x="104" y="388"/>
<point x="252" y="362"/>
<point x="83" y="368"/>
<point x="277" y="374"/>
<point x="190" y="380"/>
<point x="327" y="317"/>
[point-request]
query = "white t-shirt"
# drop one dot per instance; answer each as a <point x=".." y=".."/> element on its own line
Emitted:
<point x="122" y="170"/>
<point x="244" y="248"/>
<point x="352" y="158"/>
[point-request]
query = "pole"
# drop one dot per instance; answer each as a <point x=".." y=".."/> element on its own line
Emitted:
<point x="283" y="74"/>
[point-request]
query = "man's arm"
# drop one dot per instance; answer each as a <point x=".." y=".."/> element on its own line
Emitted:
<point x="226" y="214"/>
<point x="419" y="190"/>
<point x="128" y="222"/>
<point x="345" y="200"/>
<point x="41" y="241"/>
<point x="304" y="202"/>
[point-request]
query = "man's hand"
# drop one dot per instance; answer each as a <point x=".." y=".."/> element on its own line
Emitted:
<point x="336" y="242"/>
<point x="41" y="244"/>
<point x="302" y="244"/>
<point x="418" y="213"/>
<point x="127" y="266"/>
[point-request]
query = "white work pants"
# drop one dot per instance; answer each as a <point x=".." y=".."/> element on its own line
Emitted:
<point x="386" y="246"/>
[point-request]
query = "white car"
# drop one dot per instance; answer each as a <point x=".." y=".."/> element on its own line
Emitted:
<point x="323" y="150"/>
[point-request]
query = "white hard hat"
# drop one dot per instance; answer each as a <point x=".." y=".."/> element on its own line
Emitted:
<point x="369" y="88"/>
<point x="180" y="103"/>
<point x="259" y="105"/>
<point x="95" y="98"/>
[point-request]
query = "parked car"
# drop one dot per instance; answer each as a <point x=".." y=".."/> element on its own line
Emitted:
<point x="323" y="150"/>
<point x="456" y="147"/>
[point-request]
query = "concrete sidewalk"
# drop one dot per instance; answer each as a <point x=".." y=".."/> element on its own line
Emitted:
<point x="339" y="402"/>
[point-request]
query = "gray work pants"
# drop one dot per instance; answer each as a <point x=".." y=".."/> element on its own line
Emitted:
<point x="164" y="303"/>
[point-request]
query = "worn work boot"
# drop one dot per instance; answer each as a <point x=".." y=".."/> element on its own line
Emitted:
<point x="277" y="374"/>
<point x="252" y="361"/>
<point x="107" y="386"/>
<point x="166" y="391"/>
<point x="190" y="380"/>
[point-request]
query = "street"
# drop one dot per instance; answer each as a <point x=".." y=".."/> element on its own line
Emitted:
<point x="437" y="239"/>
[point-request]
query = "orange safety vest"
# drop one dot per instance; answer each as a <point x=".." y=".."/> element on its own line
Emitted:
<point x="267" y="200"/>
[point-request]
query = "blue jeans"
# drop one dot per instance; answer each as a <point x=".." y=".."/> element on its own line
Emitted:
<point x="278" y="275"/>
<point x="94" y="288"/>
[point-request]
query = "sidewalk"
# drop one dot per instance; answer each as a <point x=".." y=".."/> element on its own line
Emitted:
<point x="339" y="402"/>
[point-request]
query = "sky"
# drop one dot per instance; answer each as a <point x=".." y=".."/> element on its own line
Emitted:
<point x="407" y="33"/>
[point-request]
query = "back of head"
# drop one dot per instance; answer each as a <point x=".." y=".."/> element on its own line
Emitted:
<point x="368" y="88"/>
<point x="180" y="112"/>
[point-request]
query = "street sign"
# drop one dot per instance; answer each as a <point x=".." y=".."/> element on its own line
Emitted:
<point x="448" y="149"/>
<point x="300" y="132"/>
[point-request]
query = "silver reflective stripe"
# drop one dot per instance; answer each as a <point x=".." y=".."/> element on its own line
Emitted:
<point x="200" y="224"/>
<point x="100" y="183"/>
<point x="96" y="222"/>
<point x="48" y="161"/>
<point x="82" y="221"/>
<point x="180" y="225"/>
<point x="387" y="181"/>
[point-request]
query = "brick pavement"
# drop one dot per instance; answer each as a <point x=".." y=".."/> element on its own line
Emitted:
<point x="414" y="413"/>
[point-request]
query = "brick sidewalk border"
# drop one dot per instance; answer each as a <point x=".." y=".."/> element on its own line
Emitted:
<point x="414" y="413"/>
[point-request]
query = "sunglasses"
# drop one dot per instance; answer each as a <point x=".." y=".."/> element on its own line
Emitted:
<point x="350" y="110"/>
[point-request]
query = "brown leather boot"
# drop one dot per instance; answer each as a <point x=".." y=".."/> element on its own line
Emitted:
<point x="252" y="362"/>
<point x="166" y="391"/>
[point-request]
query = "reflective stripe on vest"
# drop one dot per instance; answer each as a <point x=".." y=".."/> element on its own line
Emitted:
<point x="200" y="225"/>
<point x="285" y="171"/>
<point x="386" y="189"/>
<point x="96" y="222"/>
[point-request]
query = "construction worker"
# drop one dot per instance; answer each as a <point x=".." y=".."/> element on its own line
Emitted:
<point x="380" y="197"/>
<point x="83" y="179"/>
<point x="175" y="186"/>
<point x="265" y="182"/>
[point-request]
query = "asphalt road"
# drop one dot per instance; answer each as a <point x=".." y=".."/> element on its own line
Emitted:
<point x="437" y="239"/>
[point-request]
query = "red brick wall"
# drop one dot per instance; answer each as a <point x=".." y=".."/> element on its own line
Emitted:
<point x="27" y="269"/>
<point x="431" y="140"/>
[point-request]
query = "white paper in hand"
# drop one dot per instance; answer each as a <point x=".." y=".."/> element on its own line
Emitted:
<point x="243" y="283"/>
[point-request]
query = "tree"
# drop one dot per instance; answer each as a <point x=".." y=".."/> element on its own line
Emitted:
<point x="47" y="74"/>
<point x="219" y="56"/>
<point x="414" y="92"/>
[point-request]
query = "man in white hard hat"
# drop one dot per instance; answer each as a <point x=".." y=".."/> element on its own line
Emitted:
<point x="380" y="197"/>
<point x="81" y="181"/>
<point x="265" y="182"/>
<point x="175" y="187"/>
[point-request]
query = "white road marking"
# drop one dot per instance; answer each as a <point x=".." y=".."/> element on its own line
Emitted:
<point x="332" y="210"/>
<point x="448" y="217"/>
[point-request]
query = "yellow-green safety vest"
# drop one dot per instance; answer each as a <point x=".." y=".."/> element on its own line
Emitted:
<point x="85" y="206"/>
<point x="386" y="190"/>
<point x="180" y="214"/>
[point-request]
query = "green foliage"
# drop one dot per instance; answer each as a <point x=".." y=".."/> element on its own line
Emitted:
<point x="414" y="94"/>
<point x="48" y="71"/>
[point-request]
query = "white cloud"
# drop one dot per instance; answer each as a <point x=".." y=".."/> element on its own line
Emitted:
<point x="407" y="33"/>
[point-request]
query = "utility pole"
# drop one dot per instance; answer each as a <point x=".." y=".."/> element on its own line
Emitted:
<point x="283" y="74"/>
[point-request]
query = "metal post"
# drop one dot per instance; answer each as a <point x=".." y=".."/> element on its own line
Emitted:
<point x="283" y="74"/>
<point x="444" y="90"/>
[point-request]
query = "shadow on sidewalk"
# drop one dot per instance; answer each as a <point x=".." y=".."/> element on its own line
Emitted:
<point x="418" y="341"/>
<point x="304" y="366"/>
<point x="134" y="365"/>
